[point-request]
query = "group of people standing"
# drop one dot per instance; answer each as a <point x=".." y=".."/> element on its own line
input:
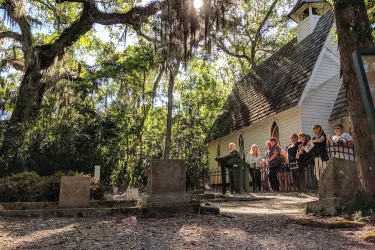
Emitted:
<point x="279" y="170"/>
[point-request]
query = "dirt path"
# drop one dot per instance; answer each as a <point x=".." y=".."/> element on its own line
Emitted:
<point x="271" y="223"/>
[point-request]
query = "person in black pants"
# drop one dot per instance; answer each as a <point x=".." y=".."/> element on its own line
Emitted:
<point x="236" y="154"/>
<point x="274" y="162"/>
<point x="292" y="150"/>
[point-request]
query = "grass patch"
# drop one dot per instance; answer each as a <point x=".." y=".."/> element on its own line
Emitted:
<point x="328" y="224"/>
<point x="369" y="237"/>
<point x="345" y="224"/>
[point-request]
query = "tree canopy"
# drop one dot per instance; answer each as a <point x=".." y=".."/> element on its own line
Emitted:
<point x="87" y="83"/>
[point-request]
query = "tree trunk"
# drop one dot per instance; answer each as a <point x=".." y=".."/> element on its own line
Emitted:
<point x="168" y="138"/>
<point x="353" y="31"/>
<point x="24" y="115"/>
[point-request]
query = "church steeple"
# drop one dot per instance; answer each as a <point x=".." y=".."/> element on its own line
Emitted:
<point x="307" y="13"/>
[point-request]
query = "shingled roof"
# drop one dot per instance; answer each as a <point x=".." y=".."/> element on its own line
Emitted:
<point x="275" y="85"/>
<point x="340" y="109"/>
<point x="300" y="3"/>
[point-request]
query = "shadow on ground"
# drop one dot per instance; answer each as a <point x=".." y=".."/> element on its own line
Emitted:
<point x="274" y="223"/>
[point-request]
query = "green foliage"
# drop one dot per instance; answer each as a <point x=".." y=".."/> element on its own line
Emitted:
<point x="115" y="116"/>
<point x="30" y="187"/>
<point x="370" y="4"/>
<point x="361" y="203"/>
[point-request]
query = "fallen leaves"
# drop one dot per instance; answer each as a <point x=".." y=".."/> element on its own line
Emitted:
<point x="264" y="224"/>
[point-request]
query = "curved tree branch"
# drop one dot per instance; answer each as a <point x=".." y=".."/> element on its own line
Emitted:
<point x="135" y="16"/>
<point x="91" y="15"/>
<point x="227" y="51"/>
<point x="53" y="80"/>
<point x="258" y="33"/>
<point x="15" y="63"/>
<point x="16" y="11"/>
<point x="11" y="34"/>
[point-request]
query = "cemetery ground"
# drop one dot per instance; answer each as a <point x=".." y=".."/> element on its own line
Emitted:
<point x="270" y="221"/>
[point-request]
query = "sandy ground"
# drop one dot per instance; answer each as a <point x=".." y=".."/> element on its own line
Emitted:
<point x="270" y="223"/>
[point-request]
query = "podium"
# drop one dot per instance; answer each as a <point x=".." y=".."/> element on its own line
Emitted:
<point x="238" y="173"/>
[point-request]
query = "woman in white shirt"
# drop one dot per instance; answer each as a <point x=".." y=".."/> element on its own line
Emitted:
<point x="253" y="158"/>
<point x="341" y="144"/>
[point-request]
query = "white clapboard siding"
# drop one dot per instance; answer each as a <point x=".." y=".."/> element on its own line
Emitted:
<point x="331" y="46"/>
<point x="318" y="104"/>
<point x="259" y="133"/>
<point x="306" y="27"/>
<point x="224" y="148"/>
<point x="303" y="29"/>
<point x="212" y="151"/>
<point x="224" y="142"/>
<point x="326" y="71"/>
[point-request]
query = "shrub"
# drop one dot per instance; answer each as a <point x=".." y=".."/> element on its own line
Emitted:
<point x="30" y="187"/>
<point x="97" y="190"/>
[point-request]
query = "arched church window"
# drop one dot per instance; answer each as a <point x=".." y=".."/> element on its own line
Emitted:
<point x="241" y="145"/>
<point x="275" y="131"/>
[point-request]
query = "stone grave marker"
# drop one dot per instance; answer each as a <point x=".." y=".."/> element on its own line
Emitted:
<point x="132" y="194"/>
<point x="166" y="184"/>
<point x="74" y="192"/>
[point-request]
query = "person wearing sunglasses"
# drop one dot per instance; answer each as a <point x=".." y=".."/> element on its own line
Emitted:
<point x="342" y="143"/>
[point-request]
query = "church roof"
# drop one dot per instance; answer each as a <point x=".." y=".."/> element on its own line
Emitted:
<point x="300" y="3"/>
<point x="275" y="85"/>
<point x="340" y="108"/>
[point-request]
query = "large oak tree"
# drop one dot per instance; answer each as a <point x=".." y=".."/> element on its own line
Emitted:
<point x="39" y="58"/>
<point x="354" y="32"/>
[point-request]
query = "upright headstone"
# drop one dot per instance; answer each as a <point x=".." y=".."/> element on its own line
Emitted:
<point x="132" y="194"/>
<point x="166" y="184"/>
<point x="167" y="176"/>
<point x="338" y="184"/>
<point x="74" y="192"/>
<point x="339" y="180"/>
<point x="97" y="173"/>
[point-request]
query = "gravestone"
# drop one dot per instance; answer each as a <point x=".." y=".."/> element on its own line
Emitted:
<point x="97" y="173"/>
<point x="74" y="192"/>
<point x="339" y="180"/>
<point x="167" y="176"/>
<point x="166" y="184"/>
<point x="337" y="185"/>
<point x="132" y="194"/>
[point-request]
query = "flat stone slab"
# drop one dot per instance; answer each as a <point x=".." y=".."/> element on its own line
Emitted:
<point x="168" y="211"/>
<point x="209" y="208"/>
<point x="146" y="212"/>
<point x="54" y="205"/>
<point x="74" y="192"/>
<point x="328" y="206"/>
<point x="70" y="212"/>
<point x="160" y="200"/>
<point x="166" y="176"/>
